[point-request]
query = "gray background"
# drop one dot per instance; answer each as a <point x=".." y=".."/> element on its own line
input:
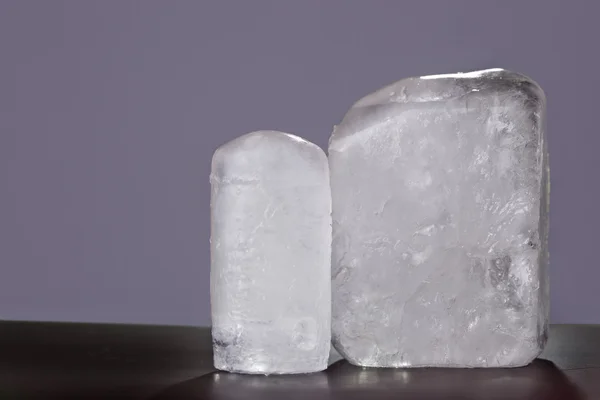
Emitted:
<point x="110" y="111"/>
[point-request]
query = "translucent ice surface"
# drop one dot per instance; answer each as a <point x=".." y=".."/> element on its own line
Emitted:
<point x="270" y="255"/>
<point x="440" y="190"/>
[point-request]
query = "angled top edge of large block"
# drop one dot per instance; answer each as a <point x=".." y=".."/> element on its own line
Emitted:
<point x="427" y="90"/>
<point x="434" y="87"/>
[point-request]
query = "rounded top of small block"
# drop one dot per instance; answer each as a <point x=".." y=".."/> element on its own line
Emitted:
<point x="268" y="155"/>
<point x="255" y="139"/>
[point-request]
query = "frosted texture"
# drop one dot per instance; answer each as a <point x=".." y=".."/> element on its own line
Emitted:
<point x="270" y="255"/>
<point x="440" y="223"/>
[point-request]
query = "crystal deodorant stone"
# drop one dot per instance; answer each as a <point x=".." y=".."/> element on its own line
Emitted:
<point x="270" y="255"/>
<point x="440" y="190"/>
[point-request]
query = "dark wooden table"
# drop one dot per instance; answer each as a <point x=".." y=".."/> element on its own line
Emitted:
<point x="83" y="361"/>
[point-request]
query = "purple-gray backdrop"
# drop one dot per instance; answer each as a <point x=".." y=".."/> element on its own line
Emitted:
<point x="110" y="111"/>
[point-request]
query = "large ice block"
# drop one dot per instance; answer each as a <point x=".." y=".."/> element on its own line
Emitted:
<point x="440" y="190"/>
<point x="270" y="255"/>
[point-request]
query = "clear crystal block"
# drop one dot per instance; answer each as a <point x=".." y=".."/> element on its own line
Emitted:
<point x="270" y="255"/>
<point x="440" y="188"/>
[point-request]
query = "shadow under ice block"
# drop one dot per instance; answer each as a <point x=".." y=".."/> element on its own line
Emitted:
<point x="440" y="189"/>
<point x="270" y="255"/>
